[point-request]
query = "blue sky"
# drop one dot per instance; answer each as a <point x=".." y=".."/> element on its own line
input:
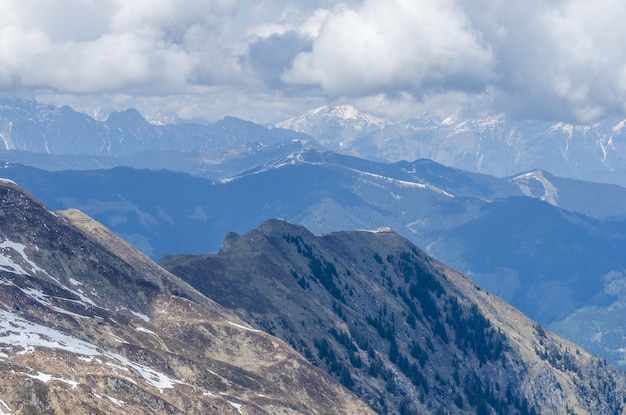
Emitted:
<point x="267" y="61"/>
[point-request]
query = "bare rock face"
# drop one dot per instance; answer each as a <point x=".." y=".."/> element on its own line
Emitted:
<point x="403" y="331"/>
<point x="90" y="326"/>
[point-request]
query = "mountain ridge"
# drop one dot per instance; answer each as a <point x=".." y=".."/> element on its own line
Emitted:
<point x="387" y="320"/>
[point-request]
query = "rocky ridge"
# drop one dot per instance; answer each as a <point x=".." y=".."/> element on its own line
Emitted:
<point x="404" y="332"/>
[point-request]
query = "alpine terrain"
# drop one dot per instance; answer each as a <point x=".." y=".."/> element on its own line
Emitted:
<point x="551" y="247"/>
<point x="404" y="332"/>
<point x="90" y="326"/>
<point x="491" y="144"/>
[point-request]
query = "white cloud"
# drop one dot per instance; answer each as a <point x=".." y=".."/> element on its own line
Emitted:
<point x="394" y="45"/>
<point x="86" y="46"/>
<point x="557" y="59"/>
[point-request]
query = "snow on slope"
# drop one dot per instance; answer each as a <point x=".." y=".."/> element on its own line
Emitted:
<point x="19" y="336"/>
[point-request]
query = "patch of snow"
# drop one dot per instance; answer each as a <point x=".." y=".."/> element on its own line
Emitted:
<point x="4" y="404"/>
<point x="9" y="181"/>
<point x="237" y="406"/>
<point x="449" y="120"/>
<point x="43" y="299"/>
<point x="619" y="127"/>
<point x="243" y="327"/>
<point x="563" y="127"/>
<point x="379" y="230"/>
<point x="6" y="261"/>
<point x="145" y="330"/>
<point x="74" y="282"/>
<point x="404" y="183"/>
<point x="21" y="336"/>
<point x="141" y="316"/>
<point x="118" y="339"/>
<point x="115" y="401"/>
<point x="9" y="264"/>
<point x="45" y="378"/>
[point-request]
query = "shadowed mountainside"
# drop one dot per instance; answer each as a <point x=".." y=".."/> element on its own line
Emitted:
<point x="404" y="332"/>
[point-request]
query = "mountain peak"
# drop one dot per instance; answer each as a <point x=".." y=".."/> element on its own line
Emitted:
<point x="344" y="112"/>
<point x="336" y="126"/>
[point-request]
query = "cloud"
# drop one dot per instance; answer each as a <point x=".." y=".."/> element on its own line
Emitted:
<point x="395" y="45"/>
<point x="266" y="59"/>
<point x="87" y="46"/>
<point x="562" y="59"/>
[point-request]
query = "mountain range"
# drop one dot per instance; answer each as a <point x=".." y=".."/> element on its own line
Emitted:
<point x="28" y="125"/>
<point x="89" y="325"/>
<point x="490" y="144"/>
<point x="59" y="137"/>
<point x="404" y="332"/>
<point x="551" y="245"/>
<point x="522" y="238"/>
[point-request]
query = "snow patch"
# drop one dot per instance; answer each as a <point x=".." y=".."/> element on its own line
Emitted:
<point x="115" y="401"/>
<point x="237" y="406"/>
<point x="145" y="330"/>
<point x="20" y="336"/>
<point x="619" y="127"/>
<point x="404" y="183"/>
<point x="141" y="316"/>
<point x="243" y="327"/>
<point x="4" y="404"/>
<point x="47" y="378"/>
<point x="8" y="264"/>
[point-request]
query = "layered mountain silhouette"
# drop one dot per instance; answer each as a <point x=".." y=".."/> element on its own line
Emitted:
<point x="90" y="326"/>
<point x="522" y="238"/>
<point x="489" y="144"/>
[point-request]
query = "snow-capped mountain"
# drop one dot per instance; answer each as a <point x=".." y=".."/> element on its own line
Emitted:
<point x="488" y="144"/>
<point x="335" y="127"/>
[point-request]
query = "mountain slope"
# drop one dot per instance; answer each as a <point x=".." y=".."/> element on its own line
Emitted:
<point x="403" y="331"/>
<point x="89" y="325"/>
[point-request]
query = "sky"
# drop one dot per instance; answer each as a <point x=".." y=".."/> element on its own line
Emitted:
<point x="270" y="60"/>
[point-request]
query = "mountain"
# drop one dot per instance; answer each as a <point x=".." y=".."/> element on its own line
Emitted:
<point x="27" y="125"/>
<point x="551" y="262"/>
<point x="337" y="126"/>
<point x="493" y="145"/>
<point x="404" y="332"/>
<point x="213" y="163"/>
<point x="90" y="326"/>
